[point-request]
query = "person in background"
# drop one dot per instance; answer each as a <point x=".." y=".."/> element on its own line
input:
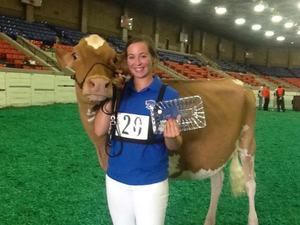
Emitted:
<point x="137" y="176"/>
<point x="260" y="97"/>
<point x="266" y="95"/>
<point x="274" y="100"/>
<point x="280" y="98"/>
<point x="166" y="62"/>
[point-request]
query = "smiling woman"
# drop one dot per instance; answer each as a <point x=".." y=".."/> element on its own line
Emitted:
<point x="146" y="176"/>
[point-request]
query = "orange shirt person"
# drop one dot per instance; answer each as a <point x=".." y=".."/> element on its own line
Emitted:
<point x="266" y="95"/>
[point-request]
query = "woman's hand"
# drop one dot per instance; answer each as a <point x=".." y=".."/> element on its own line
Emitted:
<point x="171" y="128"/>
<point x="172" y="135"/>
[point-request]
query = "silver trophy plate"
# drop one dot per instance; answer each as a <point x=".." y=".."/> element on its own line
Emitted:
<point x="190" y="108"/>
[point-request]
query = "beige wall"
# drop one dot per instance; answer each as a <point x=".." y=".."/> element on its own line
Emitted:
<point x="12" y="7"/>
<point x="278" y="57"/>
<point x="239" y="53"/>
<point x="55" y="12"/>
<point x="259" y="55"/>
<point x="170" y="28"/>
<point x="143" y="22"/>
<point x="103" y="17"/>
<point x="210" y="45"/>
<point x="295" y="58"/>
<point x="228" y="49"/>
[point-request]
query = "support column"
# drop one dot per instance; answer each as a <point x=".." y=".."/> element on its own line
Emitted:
<point x="268" y="63"/>
<point x="234" y="52"/>
<point x="29" y="13"/>
<point x="203" y="44"/>
<point x="290" y="59"/>
<point x="84" y="15"/>
<point x="124" y="30"/>
<point x="182" y="45"/>
<point x="157" y="29"/>
<point x="218" y="46"/>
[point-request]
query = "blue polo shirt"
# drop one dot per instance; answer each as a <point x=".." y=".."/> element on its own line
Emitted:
<point x="139" y="164"/>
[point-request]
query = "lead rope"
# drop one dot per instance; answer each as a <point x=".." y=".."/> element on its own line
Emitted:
<point x="113" y="122"/>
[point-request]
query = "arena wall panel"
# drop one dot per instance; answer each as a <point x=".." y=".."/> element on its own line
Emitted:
<point x="18" y="89"/>
<point x="25" y="89"/>
<point x="64" y="89"/>
<point x="42" y="89"/>
<point x="2" y="90"/>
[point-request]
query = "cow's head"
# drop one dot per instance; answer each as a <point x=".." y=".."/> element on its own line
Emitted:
<point x="95" y="63"/>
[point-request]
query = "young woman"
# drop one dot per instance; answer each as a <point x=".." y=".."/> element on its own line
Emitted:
<point x="137" y="175"/>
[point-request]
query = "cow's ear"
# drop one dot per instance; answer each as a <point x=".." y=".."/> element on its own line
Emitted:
<point x="64" y="58"/>
<point x="121" y="62"/>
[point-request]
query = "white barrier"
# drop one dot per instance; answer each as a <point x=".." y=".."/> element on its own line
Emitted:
<point x="24" y="89"/>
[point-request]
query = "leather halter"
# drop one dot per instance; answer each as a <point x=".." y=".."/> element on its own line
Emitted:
<point x="82" y="83"/>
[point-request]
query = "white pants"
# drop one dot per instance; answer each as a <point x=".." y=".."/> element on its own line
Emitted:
<point x="137" y="204"/>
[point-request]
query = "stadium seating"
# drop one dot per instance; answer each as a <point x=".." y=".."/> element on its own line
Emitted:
<point x="13" y="58"/>
<point x="292" y="81"/>
<point x="248" y="79"/>
<point x="13" y="26"/>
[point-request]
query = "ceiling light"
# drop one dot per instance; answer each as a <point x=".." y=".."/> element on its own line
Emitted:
<point x="195" y="1"/>
<point x="269" y="33"/>
<point x="289" y="24"/>
<point x="276" y="19"/>
<point x="280" y="38"/>
<point x="298" y="5"/>
<point x="259" y="8"/>
<point x="256" y="27"/>
<point x="220" y="10"/>
<point x="298" y="32"/>
<point x="240" y="21"/>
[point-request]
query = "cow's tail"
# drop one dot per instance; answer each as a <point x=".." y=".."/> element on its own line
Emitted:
<point x="237" y="177"/>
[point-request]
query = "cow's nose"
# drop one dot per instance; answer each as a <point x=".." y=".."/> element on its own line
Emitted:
<point x="98" y="84"/>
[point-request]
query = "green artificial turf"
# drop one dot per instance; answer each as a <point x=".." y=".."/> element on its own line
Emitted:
<point x="50" y="173"/>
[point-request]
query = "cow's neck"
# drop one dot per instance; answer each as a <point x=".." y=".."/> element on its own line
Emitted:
<point x="99" y="142"/>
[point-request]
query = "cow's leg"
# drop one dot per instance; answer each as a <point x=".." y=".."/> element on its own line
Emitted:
<point x="247" y="157"/>
<point x="216" y="189"/>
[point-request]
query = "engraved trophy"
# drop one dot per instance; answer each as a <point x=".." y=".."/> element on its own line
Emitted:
<point x="190" y="108"/>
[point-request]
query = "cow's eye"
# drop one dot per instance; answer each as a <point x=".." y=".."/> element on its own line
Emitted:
<point x="75" y="56"/>
<point x="115" y="60"/>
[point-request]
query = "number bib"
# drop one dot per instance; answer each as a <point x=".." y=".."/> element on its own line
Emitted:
<point x="133" y="126"/>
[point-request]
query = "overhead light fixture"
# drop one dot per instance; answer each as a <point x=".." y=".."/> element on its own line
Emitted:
<point x="281" y="38"/>
<point x="256" y="27"/>
<point x="269" y="33"/>
<point x="220" y="10"/>
<point x="240" y="21"/>
<point x="288" y="24"/>
<point x="259" y="8"/>
<point x="276" y="19"/>
<point x="195" y="1"/>
<point x="298" y="32"/>
<point x="298" y="5"/>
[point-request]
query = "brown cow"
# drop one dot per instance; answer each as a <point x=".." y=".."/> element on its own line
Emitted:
<point x="230" y="118"/>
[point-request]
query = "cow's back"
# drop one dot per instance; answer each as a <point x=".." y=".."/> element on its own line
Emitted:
<point x="224" y="105"/>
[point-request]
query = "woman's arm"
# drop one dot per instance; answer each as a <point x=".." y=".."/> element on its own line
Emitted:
<point x="173" y="139"/>
<point x="102" y="121"/>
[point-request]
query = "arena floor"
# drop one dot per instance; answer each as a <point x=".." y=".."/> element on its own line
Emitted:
<point x="50" y="173"/>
